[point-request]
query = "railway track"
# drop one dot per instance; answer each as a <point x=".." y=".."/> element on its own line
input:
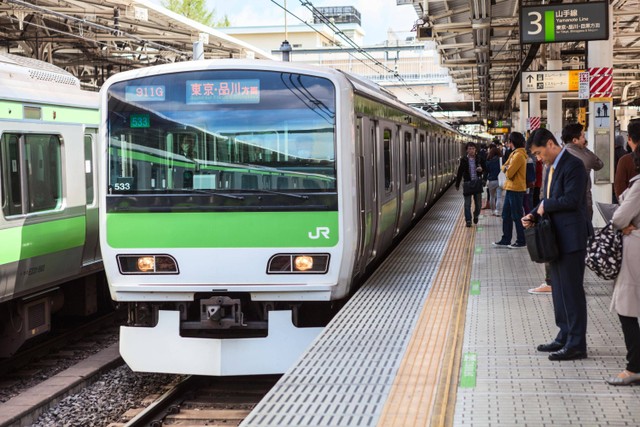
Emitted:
<point x="203" y="401"/>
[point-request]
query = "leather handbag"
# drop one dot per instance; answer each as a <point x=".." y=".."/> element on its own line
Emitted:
<point x="541" y="241"/>
<point x="604" y="252"/>
<point x="472" y="187"/>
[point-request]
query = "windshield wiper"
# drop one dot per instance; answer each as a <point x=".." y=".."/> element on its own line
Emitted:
<point x="216" y="193"/>
<point x="280" y="193"/>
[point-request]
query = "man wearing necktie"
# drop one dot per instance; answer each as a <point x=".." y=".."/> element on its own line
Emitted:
<point x="564" y="203"/>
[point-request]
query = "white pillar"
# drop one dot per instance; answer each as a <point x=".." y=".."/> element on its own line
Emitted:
<point x="601" y="129"/>
<point x="522" y="120"/>
<point x="534" y="107"/>
<point x="554" y="102"/>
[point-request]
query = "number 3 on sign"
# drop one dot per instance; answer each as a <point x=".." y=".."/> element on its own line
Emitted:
<point x="537" y="22"/>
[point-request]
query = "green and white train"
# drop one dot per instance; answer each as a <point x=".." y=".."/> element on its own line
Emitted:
<point x="49" y="218"/>
<point x="245" y="200"/>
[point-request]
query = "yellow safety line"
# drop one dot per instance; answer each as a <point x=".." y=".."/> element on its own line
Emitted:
<point x="424" y="390"/>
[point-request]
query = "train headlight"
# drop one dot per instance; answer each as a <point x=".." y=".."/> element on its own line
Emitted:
<point x="147" y="264"/>
<point x="303" y="263"/>
<point x="298" y="264"/>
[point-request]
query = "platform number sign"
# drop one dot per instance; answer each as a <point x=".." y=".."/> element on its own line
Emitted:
<point x="564" y="22"/>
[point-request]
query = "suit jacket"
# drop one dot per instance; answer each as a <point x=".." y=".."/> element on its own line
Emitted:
<point x="566" y="204"/>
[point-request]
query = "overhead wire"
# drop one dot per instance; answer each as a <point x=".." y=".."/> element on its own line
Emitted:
<point x="353" y="45"/>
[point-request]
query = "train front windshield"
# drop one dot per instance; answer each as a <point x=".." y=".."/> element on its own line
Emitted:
<point x="223" y="139"/>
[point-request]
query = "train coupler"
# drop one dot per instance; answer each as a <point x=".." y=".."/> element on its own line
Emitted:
<point x="223" y="312"/>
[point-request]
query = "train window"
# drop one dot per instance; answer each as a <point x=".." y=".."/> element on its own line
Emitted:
<point x="35" y="160"/>
<point x="273" y="130"/>
<point x="407" y="158"/>
<point x="44" y="183"/>
<point x="422" y="154"/>
<point x="388" y="182"/>
<point x="88" y="168"/>
<point x="11" y="172"/>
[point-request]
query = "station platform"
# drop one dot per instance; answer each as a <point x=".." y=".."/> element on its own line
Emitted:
<point x="445" y="333"/>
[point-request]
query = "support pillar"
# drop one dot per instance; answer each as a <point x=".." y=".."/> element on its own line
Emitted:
<point x="554" y="102"/>
<point x="534" y="106"/>
<point x="601" y="124"/>
<point x="524" y="114"/>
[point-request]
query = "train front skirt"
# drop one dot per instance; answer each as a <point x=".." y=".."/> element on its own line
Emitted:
<point x="162" y="349"/>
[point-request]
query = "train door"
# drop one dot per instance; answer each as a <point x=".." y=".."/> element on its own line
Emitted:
<point x="406" y="178"/>
<point x="367" y="142"/>
<point x="91" y="251"/>
<point x="430" y="168"/>
<point x="421" y="172"/>
<point x="387" y="186"/>
<point x="437" y="168"/>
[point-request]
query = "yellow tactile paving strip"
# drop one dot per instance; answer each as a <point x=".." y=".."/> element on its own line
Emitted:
<point x="424" y="390"/>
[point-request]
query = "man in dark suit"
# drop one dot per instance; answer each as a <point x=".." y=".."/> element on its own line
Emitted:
<point x="564" y="203"/>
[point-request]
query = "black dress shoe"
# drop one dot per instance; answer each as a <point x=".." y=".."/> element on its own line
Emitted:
<point x="551" y="346"/>
<point x="568" y="354"/>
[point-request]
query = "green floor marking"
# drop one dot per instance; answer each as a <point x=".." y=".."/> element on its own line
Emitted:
<point x="475" y="287"/>
<point x="478" y="250"/>
<point x="468" y="370"/>
<point x="479" y="228"/>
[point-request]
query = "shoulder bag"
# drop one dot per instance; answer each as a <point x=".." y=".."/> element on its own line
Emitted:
<point x="541" y="241"/>
<point x="604" y="252"/>
<point x="502" y="177"/>
<point x="472" y="187"/>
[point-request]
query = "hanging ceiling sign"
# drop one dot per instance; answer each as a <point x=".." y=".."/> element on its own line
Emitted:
<point x="564" y="22"/>
<point x="550" y="81"/>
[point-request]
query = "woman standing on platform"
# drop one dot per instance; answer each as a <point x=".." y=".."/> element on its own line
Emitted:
<point x="470" y="171"/>
<point x="493" y="170"/>
<point x="626" y="292"/>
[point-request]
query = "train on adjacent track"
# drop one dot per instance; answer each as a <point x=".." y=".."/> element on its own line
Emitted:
<point x="244" y="201"/>
<point x="49" y="249"/>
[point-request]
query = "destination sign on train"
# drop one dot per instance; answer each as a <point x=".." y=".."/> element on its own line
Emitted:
<point x="240" y="91"/>
<point x="145" y="93"/>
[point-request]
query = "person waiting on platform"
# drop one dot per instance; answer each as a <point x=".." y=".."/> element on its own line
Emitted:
<point x="493" y="169"/>
<point x="564" y="204"/>
<point x="626" y="291"/>
<point x="576" y="143"/>
<point x="515" y="188"/>
<point x="471" y="169"/>
<point x="626" y="168"/>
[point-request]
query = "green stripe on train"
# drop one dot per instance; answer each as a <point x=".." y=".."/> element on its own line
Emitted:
<point x="222" y="230"/>
<point x="48" y="237"/>
<point x="70" y="115"/>
<point x="10" y="110"/>
<point x="15" y="111"/>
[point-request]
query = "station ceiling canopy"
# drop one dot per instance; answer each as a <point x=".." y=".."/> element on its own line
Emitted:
<point x="93" y="39"/>
<point x="479" y="41"/>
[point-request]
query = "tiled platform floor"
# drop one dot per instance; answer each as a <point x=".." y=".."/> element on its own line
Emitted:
<point x="515" y="384"/>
